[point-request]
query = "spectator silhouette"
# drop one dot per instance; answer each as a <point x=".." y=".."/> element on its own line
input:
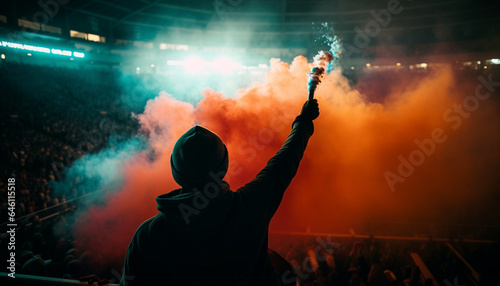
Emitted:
<point x="206" y="234"/>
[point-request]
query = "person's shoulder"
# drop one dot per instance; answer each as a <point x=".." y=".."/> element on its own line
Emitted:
<point x="144" y="227"/>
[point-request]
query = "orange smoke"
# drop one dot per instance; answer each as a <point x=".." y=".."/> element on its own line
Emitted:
<point x="341" y="182"/>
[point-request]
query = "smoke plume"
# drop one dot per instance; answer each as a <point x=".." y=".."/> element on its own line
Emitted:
<point x="350" y="173"/>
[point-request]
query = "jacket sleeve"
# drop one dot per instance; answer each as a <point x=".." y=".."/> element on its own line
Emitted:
<point x="264" y="193"/>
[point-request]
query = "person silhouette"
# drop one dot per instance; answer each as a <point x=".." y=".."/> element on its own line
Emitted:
<point x="206" y="234"/>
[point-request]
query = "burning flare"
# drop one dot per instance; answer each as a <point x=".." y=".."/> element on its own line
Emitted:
<point x="321" y="60"/>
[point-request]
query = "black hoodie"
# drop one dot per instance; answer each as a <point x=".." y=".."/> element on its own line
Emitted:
<point x="214" y="236"/>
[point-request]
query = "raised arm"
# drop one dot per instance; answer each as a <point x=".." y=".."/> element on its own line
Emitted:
<point x="264" y="193"/>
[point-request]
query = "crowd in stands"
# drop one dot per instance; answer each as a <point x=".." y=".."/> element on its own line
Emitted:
<point x="50" y="117"/>
<point x="351" y="261"/>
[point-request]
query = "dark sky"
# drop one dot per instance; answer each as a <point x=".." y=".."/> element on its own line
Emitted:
<point x="419" y="21"/>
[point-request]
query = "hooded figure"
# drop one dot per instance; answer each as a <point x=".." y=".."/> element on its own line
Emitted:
<point x="206" y="234"/>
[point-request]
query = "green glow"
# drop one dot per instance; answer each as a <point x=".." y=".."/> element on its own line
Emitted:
<point x="40" y="49"/>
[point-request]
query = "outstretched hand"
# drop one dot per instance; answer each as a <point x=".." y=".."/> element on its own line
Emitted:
<point x="310" y="110"/>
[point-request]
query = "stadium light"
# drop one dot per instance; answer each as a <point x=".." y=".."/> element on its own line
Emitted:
<point x="61" y="52"/>
<point x="25" y="47"/>
<point x="175" y="63"/>
<point x="40" y="49"/>
<point x="194" y="64"/>
<point x="226" y="65"/>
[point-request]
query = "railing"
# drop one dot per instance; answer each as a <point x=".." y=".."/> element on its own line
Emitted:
<point x="48" y="213"/>
<point x="381" y="237"/>
<point x="469" y="272"/>
<point x="424" y="271"/>
<point x="450" y="230"/>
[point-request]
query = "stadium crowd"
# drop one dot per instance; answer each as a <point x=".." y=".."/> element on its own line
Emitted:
<point x="320" y="260"/>
<point x="50" y="117"/>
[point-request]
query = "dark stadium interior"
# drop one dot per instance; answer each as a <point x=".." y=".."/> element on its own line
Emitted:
<point x="399" y="184"/>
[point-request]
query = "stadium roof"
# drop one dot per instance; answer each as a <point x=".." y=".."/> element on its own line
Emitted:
<point x="425" y="20"/>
